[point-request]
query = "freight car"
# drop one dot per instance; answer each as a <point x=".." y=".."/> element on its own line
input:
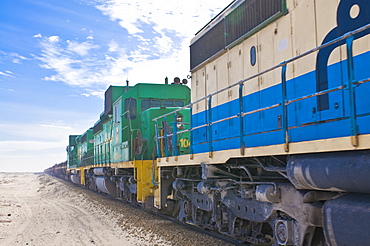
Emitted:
<point x="58" y="170"/>
<point x="274" y="148"/>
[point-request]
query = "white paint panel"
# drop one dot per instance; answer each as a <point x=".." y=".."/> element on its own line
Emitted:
<point x="283" y="47"/>
<point x="267" y="56"/>
<point x="193" y="83"/>
<point x="211" y="80"/>
<point x="222" y="78"/>
<point x="250" y="86"/>
<point x="198" y="89"/>
<point x="235" y="69"/>
<point x="304" y="36"/>
<point x="291" y="4"/>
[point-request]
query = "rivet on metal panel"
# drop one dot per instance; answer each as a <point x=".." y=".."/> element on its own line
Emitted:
<point x="191" y="156"/>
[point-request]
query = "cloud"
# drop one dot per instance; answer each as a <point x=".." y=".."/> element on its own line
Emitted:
<point x="84" y="64"/>
<point x="37" y="35"/>
<point x="158" y="45"/>
<point x="54" y="39"/>
<point x="48" y="132"/>
<point x="13" y="57"/>
<point x="36" y="146"/>
<point x="162" y="30"/>
<point x="81" y="48"/>
<point x="30" y="145"/>
<point x="73" y="62"/>
<point x="7" y="74"/>
<point x="177" y="15"/>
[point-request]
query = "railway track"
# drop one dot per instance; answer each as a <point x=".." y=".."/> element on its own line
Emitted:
<point x="200" y="230"/>
<point x="225" y="239"/>
<point x="195" y="228"/>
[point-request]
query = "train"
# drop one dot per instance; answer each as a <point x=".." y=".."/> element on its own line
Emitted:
<point x="272" y="144"/>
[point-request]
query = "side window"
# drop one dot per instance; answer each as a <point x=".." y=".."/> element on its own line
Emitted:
<point x="130" y="106"/>
<point x="253" y="55"/>
<point x="150" y="103"/>
<point x="173" y="103"/>
<point x="117" y="113"/>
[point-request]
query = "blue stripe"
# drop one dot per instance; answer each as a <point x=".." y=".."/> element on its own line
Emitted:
<point x="306" y="123"/>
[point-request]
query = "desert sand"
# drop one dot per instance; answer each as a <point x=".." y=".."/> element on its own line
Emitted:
<point x="37" y="209"/>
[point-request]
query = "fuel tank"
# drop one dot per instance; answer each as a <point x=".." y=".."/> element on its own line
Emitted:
<point x="99" y="171"/>
<point x="105" y="185"/>
<point x="347" y="220"/>
<point x="75" y="178"/>
<point x="336" y="171"/>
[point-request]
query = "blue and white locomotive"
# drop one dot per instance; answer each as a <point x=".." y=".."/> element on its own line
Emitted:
<point x="280" y="125"/>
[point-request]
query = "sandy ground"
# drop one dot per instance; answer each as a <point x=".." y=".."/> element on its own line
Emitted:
<point x="36" y="209"/>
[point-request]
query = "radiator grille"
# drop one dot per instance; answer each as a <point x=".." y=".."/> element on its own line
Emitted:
<point x="242" y="20"/>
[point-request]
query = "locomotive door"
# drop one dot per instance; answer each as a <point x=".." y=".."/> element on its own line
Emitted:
<point x="304" y="83"/>
<point x="251" y="88"/>
<point x="331" y="62"/>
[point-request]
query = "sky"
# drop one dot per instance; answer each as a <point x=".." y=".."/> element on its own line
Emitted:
<point x="58" y="57"/>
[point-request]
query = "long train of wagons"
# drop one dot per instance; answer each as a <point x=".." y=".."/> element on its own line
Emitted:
<point x="273" y="148"/>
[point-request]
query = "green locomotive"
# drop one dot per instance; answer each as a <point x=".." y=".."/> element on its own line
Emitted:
<point x="118" y="155"/>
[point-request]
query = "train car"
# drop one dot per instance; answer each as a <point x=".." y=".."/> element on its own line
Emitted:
<point x="58" y="170"/>
<point x="274" y="148"/>
<point x="280" y="125"/>
<point x="118" y="155"/>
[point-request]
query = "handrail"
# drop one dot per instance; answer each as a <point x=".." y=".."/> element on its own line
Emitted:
<point x="348" y="37"/>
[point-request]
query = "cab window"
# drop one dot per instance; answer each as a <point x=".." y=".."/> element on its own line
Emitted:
<point x="130" y="106"/>
<point x="150" y="103"/>
<point x="173" y="103"/>
<point x="117" y="113"/>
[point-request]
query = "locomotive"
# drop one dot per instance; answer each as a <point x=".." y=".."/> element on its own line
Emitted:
<point x="273" y="148"/>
